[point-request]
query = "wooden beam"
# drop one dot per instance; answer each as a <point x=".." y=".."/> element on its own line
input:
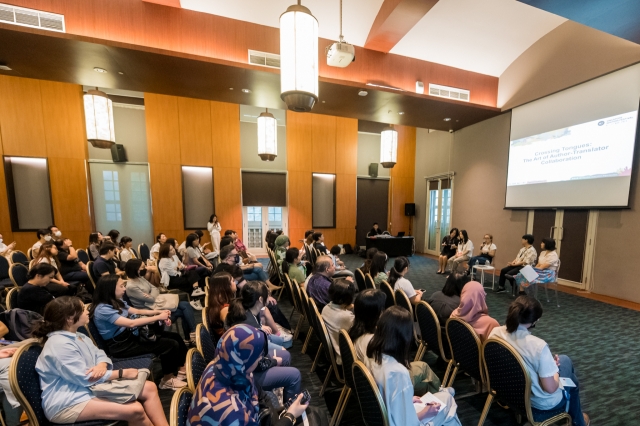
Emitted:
<point x="395" y="19"/>
<point x="172" y="3"/>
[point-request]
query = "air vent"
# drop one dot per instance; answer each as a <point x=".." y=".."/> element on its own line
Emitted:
<point x="449" y="92"/>
<point x="31" y="18"/>
<point x="264" y="59"/>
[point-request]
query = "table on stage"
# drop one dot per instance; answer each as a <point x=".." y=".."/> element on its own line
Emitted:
<point x="392" y="246"/>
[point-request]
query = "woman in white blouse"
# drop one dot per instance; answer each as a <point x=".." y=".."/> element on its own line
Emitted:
<point x="464" y="253"/>
<point x="126" y="252"/>
<point x="214" y="228"/>
<point x="546" y="267"/>
<point x="175" y="275"/>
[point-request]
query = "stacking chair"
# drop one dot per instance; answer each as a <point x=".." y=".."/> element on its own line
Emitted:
<point x="325" y="343"/>
<point x="466" y="350"/>
<point x="374" y="411"/>
<point x="314" y="326"/>
<point x="18" y="274"/>
<point x="546" y="287"/>
<point x="92" y="276"/>
<point x="205" y="343"/>
<point x="297" y="297"/>
<point x="431" y="336"/>
<point x="368" y="281"/>
<point x="180" y="403"/>
<point x="403" y="301"/>
<point x="509" y="382"/>
<point x="289" y="288"/>
<point x="138" y="362"/>
<point x="195" y="366"/>
<point x="5" y="279"/>
<point x="30" y="255"/>
<point x="388" y="291"/>
<point x="145" y="253"/>
<point x="360" y="280"/>
<point x="12" y="298"/>
<point x="83" y="256"/>
<point x="19" y="257"/>
<point x="348" y="354"/>
<point x="304" y="298"/>
<point x="25" y="384"/>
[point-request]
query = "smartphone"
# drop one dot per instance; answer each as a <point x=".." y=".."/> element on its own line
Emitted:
<point x="305" y="399"/>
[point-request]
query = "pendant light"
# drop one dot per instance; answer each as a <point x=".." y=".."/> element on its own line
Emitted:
<point x="267" y="136"/>
<point x="298" y="58"/>
<point x="98" y="113"/>
<point x="388" y="147"/>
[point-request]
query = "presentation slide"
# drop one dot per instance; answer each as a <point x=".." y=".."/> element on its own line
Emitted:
<point x="572" y="166"/>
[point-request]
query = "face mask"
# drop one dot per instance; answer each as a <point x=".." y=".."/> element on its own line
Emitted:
<point x="237" y="258"/>
<point x="58" y="234"/>
<point x="47" y="237"/>
<point x="142" y="272"/>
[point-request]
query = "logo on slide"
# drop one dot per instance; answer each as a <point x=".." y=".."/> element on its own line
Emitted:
<point x="600" y="123"/>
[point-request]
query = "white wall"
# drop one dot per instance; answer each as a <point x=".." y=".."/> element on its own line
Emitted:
<point x="369" y="152"/>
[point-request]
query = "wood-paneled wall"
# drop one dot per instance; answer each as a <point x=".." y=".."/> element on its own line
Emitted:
<point x="46" y="119"/>
<point x="322" y="144"/>
<point x="402" y="180"/>
<point x="192" y="132"/>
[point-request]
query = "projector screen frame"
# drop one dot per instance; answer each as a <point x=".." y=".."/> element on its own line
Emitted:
<point x="632" y="184"/>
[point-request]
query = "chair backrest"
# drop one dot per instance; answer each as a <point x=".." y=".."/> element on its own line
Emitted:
<point x="403" y="301"/>
<point x="430" y="330"/>
<point x="135" y="253"/>
<point x="289" y="286"/>
<point x="92" y="276"/>
<point x="368" y="281"/>
<point x="374" y="411"/>
<point x="558" y="270"/>
<point x="360" y="280"/>
<point x="25" y="382"/>
<point x="195" y="366"/>
<point x="83" y="256"/>
<point x="30" y="254"/>
<point x="19" y="257"/>
<point x="12" y="298"/>
<point x="313" y="255"/>
<point x="348" y="355"/>
<point x="96" y="337"/>
<point x="388" y="291"/>
<point x="18" y="274"/>
<point x="145" y="253"/>
<point x="466" y="349"/>
<point x="295" y="291"/>
<point x="205" y="343"/>
<point x="180" y="404"/>
<point x="307" y="309"/>
<point x="4" y="268"/>
<point x="323" y="334"/>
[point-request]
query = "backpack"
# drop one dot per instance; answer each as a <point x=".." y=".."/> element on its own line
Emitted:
<point x="19" y="322"/>
<point x="347" y="249"/>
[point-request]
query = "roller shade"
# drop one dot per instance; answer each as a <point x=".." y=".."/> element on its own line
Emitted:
<point x="264" y="189"/>
<point x="324" y="201"/>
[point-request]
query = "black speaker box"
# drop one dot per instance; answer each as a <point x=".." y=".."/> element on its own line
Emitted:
<point x="410" y="209"/>
<point x="373" y="170"/>
<point x="118" y="154"/>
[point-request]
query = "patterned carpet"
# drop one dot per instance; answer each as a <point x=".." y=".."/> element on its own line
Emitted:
<point x="590" y="332"/>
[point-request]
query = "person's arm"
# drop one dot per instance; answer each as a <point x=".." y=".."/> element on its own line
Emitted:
<point x="148" y="312"/>
<point x="8" y="249"/>
<point x="71" y="367"/>
<point x="58" y="280"/>
<point x="135" y="293"/>
<point x="417" y="298"/>
<point x="492" y="252"/>
<point x="547" y="370"/>
<point x="130" y="323"/>
<point x="73" y="254"/>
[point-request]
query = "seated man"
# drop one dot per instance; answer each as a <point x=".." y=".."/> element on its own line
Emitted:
<point x="240" y="247"/>
<point x="71" y="268"/>
<point x="56" y="234"/>
<point x="33" y="296"/>
<point x="43" y="235"/>
<point x="104" y="264"/>
<point x="319" y="282"/>
<point x="375" y="230"/>
<point x="526" y="256"/>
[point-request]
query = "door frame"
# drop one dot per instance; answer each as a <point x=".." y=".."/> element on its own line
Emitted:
<point x="439" y="178"/>
<point x="265" y="227"/>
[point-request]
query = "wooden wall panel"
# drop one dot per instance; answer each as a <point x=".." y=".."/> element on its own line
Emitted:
<point x="299" y="145"/>
<point x="346" y="145"/>
<point x="402" y="180"/>
<point x="165" y="181"/>
<point x="68" y="179"/>
<point x="21" y="121"/>
<point x="163" y="129"/>
<point x="194" y="118"/>
<point x="225" y="128"/>
<point x="5" y="219"/>
<point x="63" y="117"/>
<point x="299" y="200"/>
<point x="228" y="197"/>
<point x="346" y="201"/>
<point x="323" y="143"/>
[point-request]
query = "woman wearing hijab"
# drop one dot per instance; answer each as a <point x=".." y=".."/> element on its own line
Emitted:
<point x="280" y="248"/>
<point x="473" y="310"/>
<point x="228" y="381"/>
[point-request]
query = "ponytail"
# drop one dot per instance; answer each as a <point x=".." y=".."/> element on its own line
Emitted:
<point x="523" y="310"/>
<point x="398" y="266"/>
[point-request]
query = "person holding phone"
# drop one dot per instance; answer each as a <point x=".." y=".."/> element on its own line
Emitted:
<point x="448" y="249"/>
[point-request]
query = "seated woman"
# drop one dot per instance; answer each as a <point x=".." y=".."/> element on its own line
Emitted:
<point x="114" y="234"/>
<point x="57" y="286"/>
<point x="193" y="258"/>
<point x="111" y="317"/>
<point x="368" y="307"/>
<point x="222" y="290"/>
<point x="71" y="268"/>
<point x="229" y="379"/>
<point x="398" y="281"/>
<point x="487" y="253"/>
<point x="126" y="250"/>
<point x="473" y="310"/>
<point x="176" y="277"/>
<point x="318" y="243"/>
<point x="463" y="254"/>
<point x="274" y="372"/>
<point x="143" y="295"/>
<point x="338" y="314"/>
<point x="95" y="239"/>
<point x="543" y="368"/>
<point x="70" y="364"/>
<point x="155" y="249"/>
<point x="294" y="267"/>
<point x="545" y="268"/>
<point x="388" y="361"/>
<point x="446" y="301"/>
<point x="366" y="266"/>
<point x="280" y="246"/>
<point x="307" y="242"/>
<point x="341" y="271"/>
<point x="378" y="270"/>
<point x="448" y="249"/>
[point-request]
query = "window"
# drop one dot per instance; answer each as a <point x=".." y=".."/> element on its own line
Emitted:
<point x="197" y="196"/>
<point x="112" y="195"/>
<point x="324" y="200"/>
<point x="254" y="219"/>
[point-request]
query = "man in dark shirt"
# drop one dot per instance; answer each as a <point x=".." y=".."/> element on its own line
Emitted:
<point x="375" y="230"/>
<point x="318" y="285"/>
<point x="71" y="268"/>
<point x="33" y="296"/>
<point x="104" y="264"/>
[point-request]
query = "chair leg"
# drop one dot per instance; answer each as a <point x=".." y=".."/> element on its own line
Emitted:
<point x="280" y="292"/>
<point x="557" y="303"/>
<point x="446" y="374"/>
<point x="326" y="381"/>
<point x="453" y="375"/>
<point x="293" y="311"/>
<point x="315" y="360"/>
<point x="487" y="405"/>
<point x="419" y="353"/>
<point x="338" y="414"/>
<point x="306" y="341"/>
<point x="297" y="329"/>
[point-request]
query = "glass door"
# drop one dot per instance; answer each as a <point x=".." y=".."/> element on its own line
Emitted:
<point x="258" y="220"/>
<point x="439" y="197"/>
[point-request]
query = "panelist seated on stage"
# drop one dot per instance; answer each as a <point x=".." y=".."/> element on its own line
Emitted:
<point x="375" y="230"/>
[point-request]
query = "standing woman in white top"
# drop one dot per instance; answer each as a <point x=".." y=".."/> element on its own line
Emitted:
<point x="214" y="229"/>
<point x="465" y="252"/>
<point x="546" y="268"/>
<point x="398" y="281"/>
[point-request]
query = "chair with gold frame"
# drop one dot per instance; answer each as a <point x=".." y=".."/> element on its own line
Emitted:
<point x="466" y="351"/>
<point x="30" y="254"/>
<point x="180" y="403"/>
<point x="92" y="276"/>
<point x="19" y="257"/>
<point x="12" y="298"/>
<point x="432" y="337"/>
<point x="297" y="297"/>
<point x="348" y="354"/>
<point x="374" y="410"/>
<point x="195" y="366"/>
<point x="509" y="382"/>
<point x="325" y="343"/>
<point x="368" y="281"/>
<point x="388" y="291"/>
<point x="18" y="274"/>
<point x="205" y="343"/>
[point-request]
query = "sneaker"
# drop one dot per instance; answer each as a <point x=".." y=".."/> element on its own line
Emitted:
<point x="197" y="292"/>
<point x="192" y="336"/>
<point x="174" y="383"/>
<point x="182" y="376"/>
<point x="499" y="290"/>
<point x="196" y="305"/>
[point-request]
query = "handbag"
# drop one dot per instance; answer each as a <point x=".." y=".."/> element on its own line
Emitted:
<point x="121" y="391"/>
<point x="167" y="301"/>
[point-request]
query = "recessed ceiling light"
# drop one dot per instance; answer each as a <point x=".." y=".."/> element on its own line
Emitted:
<point x="363" y="93"/>
<point x="246" y="91"/>
<point x="323" y="101"/>
<point x="120" y="72"/>
<point x="401" y="113"/>
<point x="230" y="88"/>
<point x="100" y="70"/>
<point x="4" y="68"/>
<point x="447" y="119"/>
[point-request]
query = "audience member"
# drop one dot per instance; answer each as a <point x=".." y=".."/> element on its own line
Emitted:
<point x="214" y="228"/>
<point x="174" y="243"/>
<point x="320" y="281"/>
<point x="375" y="230"/>
<point x="378" y="269"/>
<point x="487" y="253"/>
<point x="121" y="334"/>
<point x="43" y="235"/>
<point x="222" y="290"/>
<point x="204" y="252"/>
<point x="232" y="378"/>
<point x="388" y="361"/>
<point x="144" y="295"/>
<point x="526" y="256"/>
<point x="33" y="296"/>
<point x="10" y="405"/>
<point x="474" y="311"/>
<point x="104" y="264"/>
<point x="71" y="268"/>
<point x="338" y="314"/>
<point x="293" y="266"/>
<point x="114" y="234"/>
<point x="240" y="247"/>
<point x="252" y="271"/>
<point x="95" y="239"/>
<point x="543" y="368"/>
<point x="155" y="249"/>
<point x="225" y="241"/>
<point x="448" y="249"/>
<point x="366" y="266"/>
<point x="307" y="242"/>
<point x="280" y="246"/>
<point x="174" y="277"/>
<point x="56" y="234"/>
<point x="318" y="243"/>
<point x="464" y="253"/>
<point x="447" y="300"/>
<point x="545" y="268"/>
<point x="6" y="250"/>
<point x="126" y="249"/>
<point x="398" y="281"/>
<point x="48" y="253"/>
<point x="70" y="364"/>
<point x="193" y="258"/>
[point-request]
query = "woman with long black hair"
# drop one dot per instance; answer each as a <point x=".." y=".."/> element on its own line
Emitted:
<point x="448" y="249"/>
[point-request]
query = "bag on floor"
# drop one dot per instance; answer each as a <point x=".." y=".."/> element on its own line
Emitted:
<point x="19" y="322"/>
<point x="123" y="390"/>
<point x="347" y="249"/>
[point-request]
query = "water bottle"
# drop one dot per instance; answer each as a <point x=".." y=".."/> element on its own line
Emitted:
<point x="486" y="262"/>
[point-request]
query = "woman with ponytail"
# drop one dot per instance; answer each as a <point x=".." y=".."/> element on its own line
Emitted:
<point x="398" y="281"/>
<point x="70" y="364"/>
<point x="543" y="368"/>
